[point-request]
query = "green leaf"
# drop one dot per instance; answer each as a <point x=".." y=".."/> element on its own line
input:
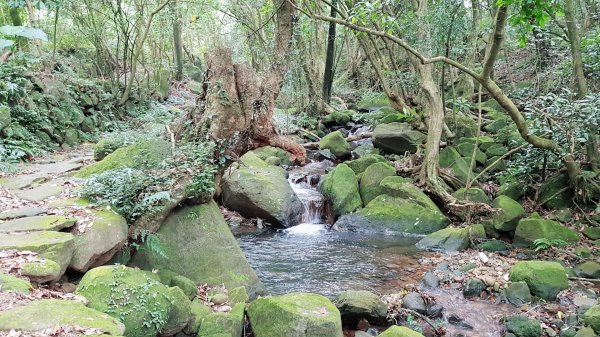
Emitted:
<point x="23" y="31"/>
<point x="5" y="43"/>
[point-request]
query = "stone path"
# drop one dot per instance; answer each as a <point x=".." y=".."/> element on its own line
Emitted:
<point x="42" y="217"/>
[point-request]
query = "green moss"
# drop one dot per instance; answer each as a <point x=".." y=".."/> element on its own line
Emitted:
<point x="189" y="287"/>
<point x="555" y="192"/>
<point x="37" y="223"/>
<point x="356" y="304"/>
<point x="14" y="284"/>
<point x="198" y="311"/>
<point x="508" y="216"/>
<point x="373" y="102"/>
<point x="400" y="331"/>
<point x="591" y="318"/>
<point x="180" y="313"/>
<point x="5" y="118"/>
<point x="335" y="143"/>
<point x="107" y="146"/>
<point x="462" y="125"/>
<point x="522" y="326"/>
<point x="47" y="314"/>
<point x="266" y="152"/>
<point x="450" y="158"/>
<point x="466" y="150"/>
<point x="544" y="278"/>
<point x="41" y="271"/>
<point x="295" y="315"/>
<point x="338" y="117"/>
<point x="592" y="233"/>
<point x="223" y="324"/>
<point x="143" y="304"/>
<point x="372" y="177"/>
<point x="447" y="240"/>
<point x="492" y="246"/>
<point x="531" y="229"/>
<point x="514" y="190"/>
<point x="361" y="164"/>
<point x="473" y="194"/>
<point x="341" y="187"/>
<point x="141" y="155"/>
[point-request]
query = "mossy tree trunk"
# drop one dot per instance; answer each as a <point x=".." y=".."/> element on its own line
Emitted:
<point x="575" y="46"/>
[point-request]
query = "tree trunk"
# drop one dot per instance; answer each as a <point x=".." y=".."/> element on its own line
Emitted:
<point x="575" y="45"/>
<point x="177" y="42"/>
<point x="328" y="77"/>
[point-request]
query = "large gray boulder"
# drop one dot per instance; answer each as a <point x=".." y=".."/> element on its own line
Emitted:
<point x="256" y="189"/>
<point x="397" y="138"/>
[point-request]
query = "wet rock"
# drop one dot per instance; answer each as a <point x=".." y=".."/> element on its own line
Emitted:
<point x="37" y="223"/>
<point x="356" y="304"/>
<point x="21" y="212"/>
<point x="533" y="228"/>
<point x="435" y="311"/>
<point x="473" y="288"/>
<point x="588" y="269"/>
<point x="198" y="244"/>
<point x="509" y="215"/>
<point x="415" y="302"/>
<point x="446" y="240"/>
<point x="544" y="278"/>
<point x="292" y="314"/>
<point x="322" y="155"/>
<point x="518" y="294"/>
<point x="400" y="331"/>
<point x="314" y="179"/>
<point x="100" y="242"/>
<point x="340" y="186"/>
<point x="148" y="300"/>
<point x="48" y="314"/>
<point x="591" y="318"/>
<point x="372" y="177"/>
<point x="430" y="280"/>
<point x="361" y="164"/>
<point x="397" y="138"/>
<point x="336" y="143"/>
<point x="258" y="190"/>
<point x="522" y="326"/>
<point x="459" y="322"/>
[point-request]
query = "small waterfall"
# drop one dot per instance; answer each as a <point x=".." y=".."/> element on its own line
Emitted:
<point x="304" y="182"/>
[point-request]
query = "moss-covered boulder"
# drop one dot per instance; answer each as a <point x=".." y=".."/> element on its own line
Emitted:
<point x="360" y="165"/>
<point x="37" y="223"/>
<point x="521" y="326"/>
<point x="397" y="138"/>
<point x="341" y="117"/>
<point x="400" y="331"/>
<point x="492" y="246"/>
<point x="446" y="240"/>
<point x="14" y="284"/>
<point x="514" y="189"/>
<point x="450" y="158"/>
<point x="189" y="287"/>
<point x="140" y="155"/>
<point x="534" y="227"/>
<point x="592" y="233"/>
<point x="544" y="278"/>
<point x="340" y="186"/>
<point x="47" y="314"/>
<point x="372" y="177"/>
<point x="517" y="294"/>
<point x="100" y="241"/>
<point x="41" y="270"/>
<point x="198" y="311"/>
<point x="466" y="150"/>
<point x="295" y="315"/>
<point x="266" y="152"/>
<point x="473" y="194"/>
<point x="336" y="143"/>
<point x="141" y="302"/>
<point x="55" y="246"/>
<point x="180" y="313"/>
<point x="256" y="189"/>
<point x="364" y="150"/>
<point x="407" y="210"/>
<point x="496" y="150"/>
<point x="509" y="214"/>
<point x="358" y="304"/>
<point x="107" y="146"/>
<point x="197" y="243"/>
<point x="591" y="318"/>
<point x="462" y="125"/>
<point x="223" y="324"/>
<point x="589" y="269"/>
<point x="555" y="192"/>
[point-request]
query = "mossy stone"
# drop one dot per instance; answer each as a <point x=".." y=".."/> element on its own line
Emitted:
<point x="189" y="287"/>
<point x="495" y="164"/>
<point x="223" y="324"/>
<point x="473" y="194"/>
<point x="198" y="311"/>
<point x="533" y="228"/>
<point x="514" y="190"/>
<point x="400" y="331"/>
<point x="492" y="246"/>
<point x="555" y="192"/>
<point x="49" y="313"/>
<point x="266" y="152"/>
<point x="592" y="233"/>
<point x="477" y="232"/>
<point x="357" y="304"/>
<point x="522" y="326"/>
<point x="273" y="161"/>
<point x="198" y="244"/>
<point x="14" y="284"/>
<point x="466" y="150"/>
<point x="340" y="117"/>
<point x="5" y="117"/>
<point x="341" y="187"/>
<point x="462" y="125"/>
<point x="496" y="150"/>
<point x="544" y="278"/>
<point x="371" y="178"/>
<point x="336" y="143"/>
<point x="70" y="137"/>
<point x="450" y="158"/>
<point x="107" y="146"/>
<point x="397" y="138"/>
<point x="37" y="223"/>
<point x="447" y="240"/>
<point x="142" y="303"/>
<point x="361" y="164"/>
<point x="295" y="315"/>
<point x="180" y="313"/>
<point x="517" y="293"/>
<point x="140" y="155"/>
<point x="508" y="216"/>
<point x="589" y="269"/>
<point x="41" y="271"/>
<point x="591" y="318"/>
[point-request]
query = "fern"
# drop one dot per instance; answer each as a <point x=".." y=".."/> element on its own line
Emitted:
<point x="546" y="244"/>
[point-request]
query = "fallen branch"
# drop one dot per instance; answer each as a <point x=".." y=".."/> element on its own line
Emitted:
<point x="315" y="145"/>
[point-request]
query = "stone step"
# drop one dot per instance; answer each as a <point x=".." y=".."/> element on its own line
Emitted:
<point x="21" y="212"/>
<point x="37" y="223"/>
